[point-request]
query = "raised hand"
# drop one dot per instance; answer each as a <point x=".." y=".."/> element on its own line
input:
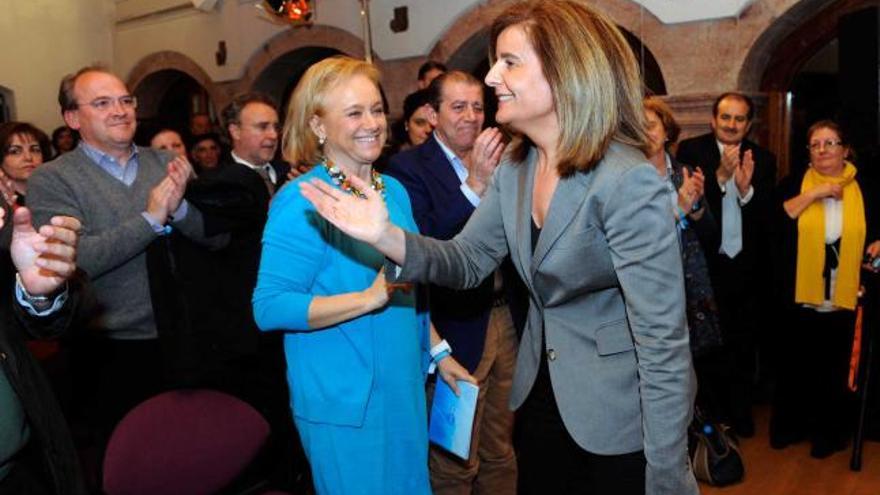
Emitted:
<point x="729" y="163"/>
<point x="159" y="199"/>
<point x="691" y="190"/>
<point x="45" y="259"/>
<point x="483" y="158"/>
<point x="180" y="172"/>
<point x="364" y="219"/>
<point x="743" y="173"/>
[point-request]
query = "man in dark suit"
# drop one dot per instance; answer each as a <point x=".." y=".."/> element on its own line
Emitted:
<point x="445" y="177"/>
<point x="740" y="195"/>
<point x="235" y="356"/>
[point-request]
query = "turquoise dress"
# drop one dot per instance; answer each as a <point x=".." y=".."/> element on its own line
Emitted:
<point x="357" y="388"/>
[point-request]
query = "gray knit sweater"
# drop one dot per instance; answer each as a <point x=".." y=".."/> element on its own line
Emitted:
<point x="114" y="236"/>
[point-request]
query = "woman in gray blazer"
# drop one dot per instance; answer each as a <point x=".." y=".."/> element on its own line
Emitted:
<point x="604" y="385"/>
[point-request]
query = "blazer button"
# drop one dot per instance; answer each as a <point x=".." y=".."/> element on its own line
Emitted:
<point x="551" y="355"/>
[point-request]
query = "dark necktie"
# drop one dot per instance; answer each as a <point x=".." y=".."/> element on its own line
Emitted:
<point x="264" y="174"/>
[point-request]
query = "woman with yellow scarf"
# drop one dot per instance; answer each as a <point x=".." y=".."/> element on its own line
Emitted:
<point x="825" y="219"/>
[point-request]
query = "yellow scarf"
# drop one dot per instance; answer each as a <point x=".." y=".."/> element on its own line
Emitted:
<point x="810" y="286"/>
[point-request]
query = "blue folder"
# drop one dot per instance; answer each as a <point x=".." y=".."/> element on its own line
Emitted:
<point x="452" y="418"/>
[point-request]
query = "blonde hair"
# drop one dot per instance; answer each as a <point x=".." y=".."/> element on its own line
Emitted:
<point x="592" y="73"/>
<point x="298" y="143"/>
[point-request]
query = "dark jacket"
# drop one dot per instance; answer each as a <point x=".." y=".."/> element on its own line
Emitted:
<point x="205" y="296"/>
<point x="48" y="427"/>
<point x="702" y="151"/>
<point x="441" y="211"/>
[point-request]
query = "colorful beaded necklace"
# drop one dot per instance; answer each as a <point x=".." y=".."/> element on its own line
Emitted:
<point x="340" y="179"/>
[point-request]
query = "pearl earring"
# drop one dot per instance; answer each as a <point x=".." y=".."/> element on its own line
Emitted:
<point x="321" y="140"/>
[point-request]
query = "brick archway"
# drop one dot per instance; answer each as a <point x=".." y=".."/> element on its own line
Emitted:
<point x="470" y="31"/>
<point x="175" y="61"/>
<point x="295" y="39"/>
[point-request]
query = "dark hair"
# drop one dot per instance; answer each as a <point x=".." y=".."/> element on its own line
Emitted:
<point x="736" y="96"/>
<point x="56" y="136"/>
<point x="10" y="129"/>
<point x="414" y="101"/>
<point x="664" y="113"/>
<point x="66" y="98"/>
<point x="827" y="124"/>
<point x="435" y="89"/>
<point x="198" y="138"/>
<point x="429" y="66"/>
<point x="232" y="112"/>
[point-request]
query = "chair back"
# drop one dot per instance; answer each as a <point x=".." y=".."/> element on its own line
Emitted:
<point x="183" y="442"/>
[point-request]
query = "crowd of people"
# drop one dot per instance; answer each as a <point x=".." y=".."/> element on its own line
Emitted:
<point x="594" y="278"/>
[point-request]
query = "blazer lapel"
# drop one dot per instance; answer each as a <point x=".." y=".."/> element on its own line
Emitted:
<point x="566" y="203"/>
<point x="438" y="165"/>
<point x="525" y="180"/>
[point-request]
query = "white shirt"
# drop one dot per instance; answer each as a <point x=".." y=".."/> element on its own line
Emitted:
<point x="266" y="166"/>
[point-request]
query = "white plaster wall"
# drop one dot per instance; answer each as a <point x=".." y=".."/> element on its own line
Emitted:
<point x="42" y="41"/>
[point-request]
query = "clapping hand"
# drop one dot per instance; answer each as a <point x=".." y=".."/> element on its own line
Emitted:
<point x="166" y="196"/>
<point x="691" y="190"/>
<point x="729" y="163"/>
<point x="44" y="258"/>
<point x="743" y="173"/>
<point x="483" y="159"/>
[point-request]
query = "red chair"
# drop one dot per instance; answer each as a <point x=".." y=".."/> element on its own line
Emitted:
<point x="184" y="442"/>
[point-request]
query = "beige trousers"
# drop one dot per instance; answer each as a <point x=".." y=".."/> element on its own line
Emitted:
<point x="491" y="469"/>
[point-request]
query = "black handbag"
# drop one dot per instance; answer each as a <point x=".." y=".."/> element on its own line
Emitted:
<point x="715" y="455"/>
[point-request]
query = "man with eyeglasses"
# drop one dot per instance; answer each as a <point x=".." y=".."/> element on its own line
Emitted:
<point x="739" y="199"/>
<point x="129" y="199"/>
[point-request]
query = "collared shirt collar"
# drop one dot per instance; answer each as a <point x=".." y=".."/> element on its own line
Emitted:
<point x="721" y="146"/>
<point x="457" y="165"/>
<point x="266" y="166"/>
<point x="124" y="173"/>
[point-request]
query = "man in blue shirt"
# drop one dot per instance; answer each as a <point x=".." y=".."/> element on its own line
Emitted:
<point x="445" y="178"/>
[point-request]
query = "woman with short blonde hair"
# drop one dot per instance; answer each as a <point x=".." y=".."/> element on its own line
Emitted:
<point x="357" y="349"/>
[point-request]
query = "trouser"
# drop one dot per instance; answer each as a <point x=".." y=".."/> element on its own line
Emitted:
<point x="551" y="462"/>
<point x="729" y="376"/>
<point x="811" y="396"/>
<point x="491" y="468"/>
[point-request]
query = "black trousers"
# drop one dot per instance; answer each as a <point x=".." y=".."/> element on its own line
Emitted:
<point x="727" y="379"/>
<point x="550" y="462"/>
<point x="811" y="397"/>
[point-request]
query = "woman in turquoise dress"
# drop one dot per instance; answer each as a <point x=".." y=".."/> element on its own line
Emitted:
<point x="357" y="349"/>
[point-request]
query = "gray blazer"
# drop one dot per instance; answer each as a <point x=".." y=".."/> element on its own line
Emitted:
<point x="605" y="284"/>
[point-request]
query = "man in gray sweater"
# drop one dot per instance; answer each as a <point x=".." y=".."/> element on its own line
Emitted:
<point x="127" y="198"/>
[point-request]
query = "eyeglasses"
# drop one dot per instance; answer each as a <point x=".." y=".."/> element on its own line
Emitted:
<point x="829" y="145"/>
<point x="127" y="102"/>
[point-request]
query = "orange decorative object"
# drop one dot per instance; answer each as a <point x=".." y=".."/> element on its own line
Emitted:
<point x="291" y="12"/>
